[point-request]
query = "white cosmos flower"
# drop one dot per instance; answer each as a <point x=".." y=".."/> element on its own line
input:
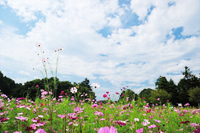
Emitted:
<point x="39" y="44"/>
<point x="95" y="85"/>
<point x="73" y="90"/>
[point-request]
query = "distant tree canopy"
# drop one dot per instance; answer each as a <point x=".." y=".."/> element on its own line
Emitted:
<point x="187" y="89"/>
<point x="127" y="95"/>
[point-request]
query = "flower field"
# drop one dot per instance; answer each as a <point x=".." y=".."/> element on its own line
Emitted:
<point x="65" y="115"/>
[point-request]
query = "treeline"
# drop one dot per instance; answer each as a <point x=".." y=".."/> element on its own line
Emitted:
<point x="186" y="91"/>
<point x="33" y="88"/>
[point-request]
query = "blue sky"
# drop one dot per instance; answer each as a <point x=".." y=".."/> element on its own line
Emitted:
<point x="115" y="43"/>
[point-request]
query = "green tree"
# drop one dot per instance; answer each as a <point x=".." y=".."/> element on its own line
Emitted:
<point x="162" y="83"/>
<point x="189" y="81"/>
<point x="146" y="93"/>
<point x="194" y="96"/>
<point x="163" y="96"/>
<point x="6" y="84"/>
<point x="127" y="93"/>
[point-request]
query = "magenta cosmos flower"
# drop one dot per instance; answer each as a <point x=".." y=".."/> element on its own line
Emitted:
<point x="104" y="95"/>
<point x="139" y="130"/>
<point x="40" y="131"/>
<point x="95" y="105"/>
<point x="107" y="130"/>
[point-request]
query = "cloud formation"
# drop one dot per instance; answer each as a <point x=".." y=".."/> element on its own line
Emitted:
<point x="129" y="44"/>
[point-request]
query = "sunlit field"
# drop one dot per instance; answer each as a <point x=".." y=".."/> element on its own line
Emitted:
<point x="70" y="115"/>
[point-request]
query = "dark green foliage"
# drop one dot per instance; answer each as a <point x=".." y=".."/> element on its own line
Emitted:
<point x="6" y="84"/>
<point x="194" y="96"/>
<point x="161" y="94"/>
<point x="146" y="94"/>
<point x="127" y="93"/>
<point x="189" y="81"/>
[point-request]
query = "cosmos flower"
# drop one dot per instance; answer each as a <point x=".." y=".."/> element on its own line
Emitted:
<point x="107" y="130"/>
<point x="139" y="130"/>
<point x="38" y="44"/>
<point x="40" y="131"/>
<point x="61" y="49"/>
<point x="73" y="90"/>
<point x="104" y="95"/>
<point x="22" y="118"/>
<point x="44" y="60"/>
<point x="95" y="105"/>
<point x="95" y="85"/>
<point x="61" y="116"/>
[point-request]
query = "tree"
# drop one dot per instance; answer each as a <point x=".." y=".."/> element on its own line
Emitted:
<point x="84" y="87"/>
<point x="6" y="84"/>
<point x="161" y="94"/>
<point x="127" y="93"/>
<point x="189" y="81"/>
<point x="194" y="96"/>
<point x="162" y="83"/>
<point x="146" y="93"/>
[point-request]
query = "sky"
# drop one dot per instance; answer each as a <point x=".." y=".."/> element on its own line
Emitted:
<point x="115" y="43"/>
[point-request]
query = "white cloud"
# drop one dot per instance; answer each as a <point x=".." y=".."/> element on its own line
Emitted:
<point x="24" y="73"/>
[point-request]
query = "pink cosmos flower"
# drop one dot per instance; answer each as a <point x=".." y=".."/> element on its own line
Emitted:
<point x="95" y="105"/>
<point x="152" y="126"/>
<point x="98" y="113"/>
<point x="127" y="98"/>
<point x="158" y="99"/>
<point x="22" y="118"/>
<point x="70" y="123"/>
<point x="136" y="119"/>
<point x="33" y="126"/>
<point x="37" y="86"/>
<point x="61" y="116"/>
<point x="107" y="130"/>
<point x="187" y="104"/>
<point x="107" y="92"/>
<point x="117" y="93"/>
<point x="104" y="95"/>
<point x="158" y="121"/>
<point x="139" y="130"/>
<point x="194" y="124"/>
<point x="121" y="123"/>
<point x="78" y="110"/>
<point x="3" y="95"/>
<point x="40" y="131"/>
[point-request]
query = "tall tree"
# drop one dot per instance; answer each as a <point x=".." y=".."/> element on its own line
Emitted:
<point x="146" y="94"/>
<point x="189" y="81"/>
<point x="127" y="93"/>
